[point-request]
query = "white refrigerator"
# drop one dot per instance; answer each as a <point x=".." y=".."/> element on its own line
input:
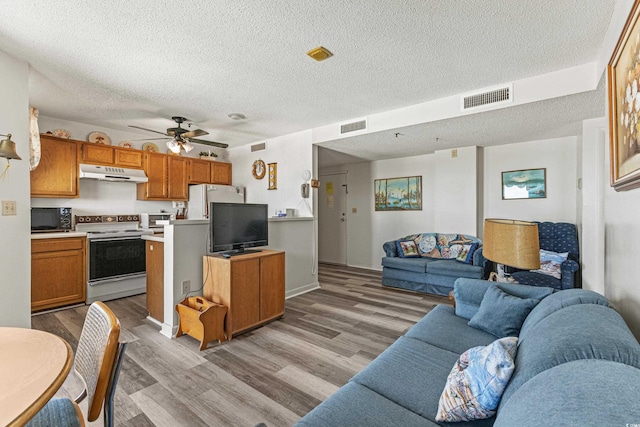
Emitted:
<point x="201" y="195"/>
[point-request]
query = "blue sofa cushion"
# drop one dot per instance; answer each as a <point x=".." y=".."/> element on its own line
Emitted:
<point x="532" y="278"/>
<point x="476" y="382"/>
<point x="454" y="269"/>
<point x="411" y="373"/>
<point x="456" y="337"/>
<point x="556" y="302"/>
<point x="357" y="406"/>
<point x="513" y="311"/>
<point x="580" y="331"/>
<point x="468" y="294"/>
<point x="419" y="265"/>
<point x="579" y="393"/>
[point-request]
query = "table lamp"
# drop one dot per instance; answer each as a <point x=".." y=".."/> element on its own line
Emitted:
<point x="511" y="243"/>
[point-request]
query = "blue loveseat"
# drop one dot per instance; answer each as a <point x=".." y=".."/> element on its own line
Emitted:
<point x="428" y="274"/>
<point x="577" y="364"/>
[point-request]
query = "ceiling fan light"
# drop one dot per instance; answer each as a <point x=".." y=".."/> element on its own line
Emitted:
<point x="187" y="146"/>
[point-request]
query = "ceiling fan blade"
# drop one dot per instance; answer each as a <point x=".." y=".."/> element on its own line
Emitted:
<point x="212" y="143"/>
<point x="195" y="133"/>
<point x="148" y="130"/>
<point x="150" y="139"/>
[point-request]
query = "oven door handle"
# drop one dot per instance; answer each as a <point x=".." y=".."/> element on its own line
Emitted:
<point x="113" y="239"/>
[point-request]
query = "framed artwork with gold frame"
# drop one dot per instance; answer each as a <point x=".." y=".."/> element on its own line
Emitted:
<point x="623" y="75"/>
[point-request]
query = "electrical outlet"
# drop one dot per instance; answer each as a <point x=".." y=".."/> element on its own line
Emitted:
<point x="8" y="207"/>
<point x="186" y="286"/>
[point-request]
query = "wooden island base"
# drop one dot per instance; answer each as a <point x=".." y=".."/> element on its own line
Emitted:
<point x="251" y="286"/>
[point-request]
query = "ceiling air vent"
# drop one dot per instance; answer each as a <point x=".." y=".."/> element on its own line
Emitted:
<point x="352" y="127"/>
<point x="487" y="97"/>
<point x="258" y="147"/>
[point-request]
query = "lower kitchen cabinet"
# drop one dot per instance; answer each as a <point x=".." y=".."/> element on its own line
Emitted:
<point x="155" y="280"/>
<point x="58" y="272"/>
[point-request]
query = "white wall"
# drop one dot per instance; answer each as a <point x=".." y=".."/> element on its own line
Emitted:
<point x="294" y="154"/>
<point x="15" y="251"/>
<point x="558" y="156"/>
<point x="455" y="191"/>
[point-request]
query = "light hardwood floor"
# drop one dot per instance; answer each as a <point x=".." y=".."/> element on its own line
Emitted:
<point x="274" y="374"/>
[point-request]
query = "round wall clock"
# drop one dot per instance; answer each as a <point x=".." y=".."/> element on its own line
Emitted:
<point x="259" y="169"/>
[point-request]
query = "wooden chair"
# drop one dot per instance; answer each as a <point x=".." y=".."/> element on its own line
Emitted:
<point x="97" y="362"/>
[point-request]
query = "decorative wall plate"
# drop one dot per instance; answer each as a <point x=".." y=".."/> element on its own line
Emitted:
<point x="150" y="146"/>
<point x="273" y="176"/>
<point x="259" y="169"/>
<point x="99" y="138"/>
<point x="62" y="133"/>
<point x="125" y="144"/>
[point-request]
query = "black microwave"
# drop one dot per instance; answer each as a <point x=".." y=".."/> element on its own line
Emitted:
<point x="50" y="219"/>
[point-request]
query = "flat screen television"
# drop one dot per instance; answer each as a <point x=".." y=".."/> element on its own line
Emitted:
<point x="237" y="226"/>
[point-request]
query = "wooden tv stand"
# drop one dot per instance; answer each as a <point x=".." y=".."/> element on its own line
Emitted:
<point x="251" y="286"/>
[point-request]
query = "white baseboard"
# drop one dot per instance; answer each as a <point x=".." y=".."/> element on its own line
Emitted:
<point x="302" y="290"/>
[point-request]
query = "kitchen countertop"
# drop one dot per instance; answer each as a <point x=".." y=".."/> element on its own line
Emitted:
<point x="154" y="237"/>
<point x="57" y="235"/>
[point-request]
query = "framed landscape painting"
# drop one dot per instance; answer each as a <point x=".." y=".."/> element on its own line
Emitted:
<point x="524" y="184"/>
<point x="398" y="194"/>
<point x="624" y="106"/>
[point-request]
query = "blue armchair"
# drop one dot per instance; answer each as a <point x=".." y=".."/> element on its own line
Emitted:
<point x="556" y="237"/>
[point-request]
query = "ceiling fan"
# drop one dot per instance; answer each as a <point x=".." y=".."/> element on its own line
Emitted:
<point x="182" y="138"/>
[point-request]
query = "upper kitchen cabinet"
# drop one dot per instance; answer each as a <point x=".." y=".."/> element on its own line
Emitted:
<point x="221" y="173"/>
<point x="57" y="173"/>
<point x="178" y="176"/>
<point x="167" y="178"/>
<point x="199" y="171"/>
<point x="208" y="172"/>
<point x="98" y="154"/>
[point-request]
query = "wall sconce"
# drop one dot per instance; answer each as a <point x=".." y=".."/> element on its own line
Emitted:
<point x="8" y="148"/>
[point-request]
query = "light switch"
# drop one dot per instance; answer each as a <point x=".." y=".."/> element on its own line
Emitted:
<point x="8" y="207"/>
<point x="354" y="210"/>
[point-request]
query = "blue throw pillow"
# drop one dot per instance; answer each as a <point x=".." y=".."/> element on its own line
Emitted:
<point x="407" y="249"/>
<point x="502" y="314"/>
<point x="475" y="384"/>
<point x="466" y="253"/>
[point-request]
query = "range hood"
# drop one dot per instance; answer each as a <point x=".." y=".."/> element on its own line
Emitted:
<point x="110" y="173"/>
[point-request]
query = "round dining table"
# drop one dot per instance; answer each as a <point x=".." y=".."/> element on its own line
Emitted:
<point x="33" y="366"/>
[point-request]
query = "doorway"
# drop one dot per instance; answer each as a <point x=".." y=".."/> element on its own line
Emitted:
<point x="332" y="219"/>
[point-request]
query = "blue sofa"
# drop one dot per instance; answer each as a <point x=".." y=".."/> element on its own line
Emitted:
<point x="577" y="363"/>
<point x="430" y="275"/>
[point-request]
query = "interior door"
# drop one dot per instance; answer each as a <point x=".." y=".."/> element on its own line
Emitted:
<point x="332" y="219"/>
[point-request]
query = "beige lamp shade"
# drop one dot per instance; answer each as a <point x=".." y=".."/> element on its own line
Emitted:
<point x="512" y="242"/>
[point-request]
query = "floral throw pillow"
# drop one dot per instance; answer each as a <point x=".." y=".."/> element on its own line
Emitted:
<point x="466" y="253"/>
<point x="407" y="249"/>
<point x="550" y="263"/>
<point x="475" y="384"/>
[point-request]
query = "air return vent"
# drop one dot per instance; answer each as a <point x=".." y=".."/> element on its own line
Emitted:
<point x="258" y="147"/>
<point x="352" y="127"/>
<point x="487" y="97"/>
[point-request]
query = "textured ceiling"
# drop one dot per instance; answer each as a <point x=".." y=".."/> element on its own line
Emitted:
<point x="120" y="63"/>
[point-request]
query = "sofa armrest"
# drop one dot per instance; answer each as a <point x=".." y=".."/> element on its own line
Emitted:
<point x="568" y="270"/>
<point x="478" y="258"/>
<point x="390" y="249"/>
<point x="468" y="294"/>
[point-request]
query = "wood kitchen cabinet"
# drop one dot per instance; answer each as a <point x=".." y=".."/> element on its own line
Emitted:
<point x="58" y="272"/>
<point x="251" y="286"/>
<point x="221" y="173"/>
<point x="155" y="279"/>
<point x="178" y="188"/>
<point x="98" y="154"/>
<point x="57" y="173"/>
<point x="199" y="171"/>
<point x="208" y="172"/>
<point x="167" y="178"/>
